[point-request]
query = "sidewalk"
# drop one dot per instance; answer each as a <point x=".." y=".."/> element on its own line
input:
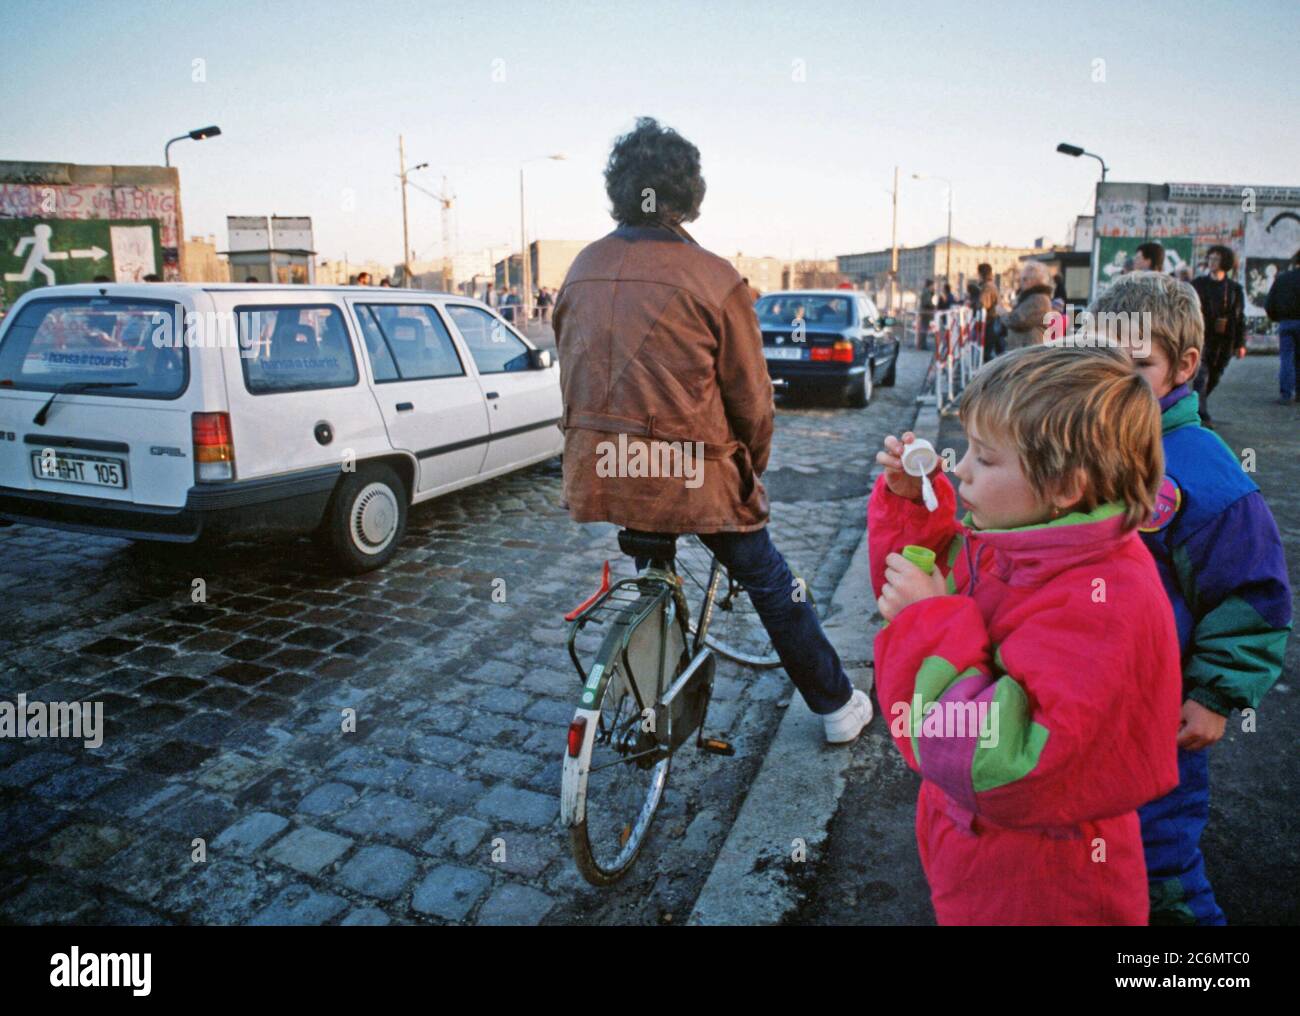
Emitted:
<point x="862" y="866"/>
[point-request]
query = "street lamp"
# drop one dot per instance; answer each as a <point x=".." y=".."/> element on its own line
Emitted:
<point x="523" y="238"/>
<point x="202" y="134"/>
<point x="1075" y="151"/>
<point x="947" y="266"/>
<point x="406" y="236"/>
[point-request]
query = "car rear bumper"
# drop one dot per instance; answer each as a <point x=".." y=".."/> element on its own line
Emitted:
<point x="804" y="375"/>
<point x="282" y="504"/>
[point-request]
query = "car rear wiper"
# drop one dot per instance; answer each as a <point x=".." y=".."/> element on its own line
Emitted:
<point x="75" y="386"/>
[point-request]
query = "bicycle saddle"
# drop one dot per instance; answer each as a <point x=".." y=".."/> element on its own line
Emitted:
<point x="655" y="546"/>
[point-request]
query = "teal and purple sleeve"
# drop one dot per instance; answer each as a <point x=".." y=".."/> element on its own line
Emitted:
<point x="1234" y="571"/>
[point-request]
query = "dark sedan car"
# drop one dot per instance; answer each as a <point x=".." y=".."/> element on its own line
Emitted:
<point x="831" y="341"/>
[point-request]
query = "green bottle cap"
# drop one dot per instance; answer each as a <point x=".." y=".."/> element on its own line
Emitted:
<point x="922" y="557"/>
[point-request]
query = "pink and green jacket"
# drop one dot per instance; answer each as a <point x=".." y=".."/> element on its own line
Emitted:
<point x="1065" y="631"/>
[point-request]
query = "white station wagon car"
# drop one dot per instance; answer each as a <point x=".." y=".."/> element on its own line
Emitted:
<point x="180" y="411"/>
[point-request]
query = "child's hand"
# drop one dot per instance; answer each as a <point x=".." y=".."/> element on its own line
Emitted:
<point x="906" y="584"/>
<point x="1200" y="728"/>
<point x="898" y="481"/>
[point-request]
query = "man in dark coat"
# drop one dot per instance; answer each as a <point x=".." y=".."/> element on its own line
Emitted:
<point x="1223" y="305"/>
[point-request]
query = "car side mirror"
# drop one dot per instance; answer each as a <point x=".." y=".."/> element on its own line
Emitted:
<point x="539" y="359"/>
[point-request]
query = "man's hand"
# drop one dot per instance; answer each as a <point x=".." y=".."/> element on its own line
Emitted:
<point x="1200" y="728"/>
<point x="906" y="584"/>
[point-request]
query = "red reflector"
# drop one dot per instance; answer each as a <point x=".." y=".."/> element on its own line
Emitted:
<point x="821" y="353"/>
<point x="577" y="734"/>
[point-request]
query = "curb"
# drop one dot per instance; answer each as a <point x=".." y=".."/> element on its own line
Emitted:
<point x="797" y="790"/>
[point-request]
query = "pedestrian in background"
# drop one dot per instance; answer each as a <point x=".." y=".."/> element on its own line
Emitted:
<point x="544" y="301"/>
<point x="1283" y="306"/>
<point x="1029" y="317"/>
<point x="386" y="283"/>
<point x="1223" y="305"/>
<point x="946" y="300"/>
<point x="1150" y="257"/>
<point x="363" y="279"/>
<point x="489" y="297"/>
<point x="926" y="315"/>
<point x="987" y="300"/>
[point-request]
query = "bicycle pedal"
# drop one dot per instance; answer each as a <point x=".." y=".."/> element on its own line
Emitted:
<point x="717" y="746"/>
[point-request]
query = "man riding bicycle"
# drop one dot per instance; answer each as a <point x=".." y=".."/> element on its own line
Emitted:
<point x="661" y="361"/>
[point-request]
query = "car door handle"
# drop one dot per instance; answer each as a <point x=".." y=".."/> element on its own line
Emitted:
<point x="494" y="395"/>
<point x="405" y="407"/>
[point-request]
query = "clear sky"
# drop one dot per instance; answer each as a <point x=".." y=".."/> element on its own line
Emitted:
<point x="800" y="110"/>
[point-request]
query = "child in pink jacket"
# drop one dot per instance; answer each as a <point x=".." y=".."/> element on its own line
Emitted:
<point x="1033" y="679"/>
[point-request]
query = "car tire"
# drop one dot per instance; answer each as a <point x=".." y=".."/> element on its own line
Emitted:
<point x="859" y="395"/>
<point x="891" y="375"/>
<point x="365" y="520"/>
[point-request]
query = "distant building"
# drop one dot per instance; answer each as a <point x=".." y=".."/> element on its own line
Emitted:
<point x="916" y="264"/>
<point x="809" y="274"/>
<point x="203" y="263"/>
<point x="764" y="274"/>
<point x="278" y="251"/>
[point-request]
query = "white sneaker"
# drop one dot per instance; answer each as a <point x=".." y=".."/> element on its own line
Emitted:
<point x="848" y="721"/>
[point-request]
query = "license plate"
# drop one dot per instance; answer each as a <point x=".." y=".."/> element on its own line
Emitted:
<point x="94" y="470"/>
<point x="783" y="353"/>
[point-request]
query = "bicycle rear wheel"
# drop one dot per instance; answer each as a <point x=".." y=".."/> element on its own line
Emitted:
<point x="613" y="786"/>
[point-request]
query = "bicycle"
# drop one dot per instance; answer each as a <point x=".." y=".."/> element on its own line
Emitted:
<point x="645" y="690"/>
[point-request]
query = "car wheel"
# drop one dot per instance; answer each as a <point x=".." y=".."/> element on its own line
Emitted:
<point x="890" y="375"/>
<point x="859" y="395"/>
<point x="366" y="519"/>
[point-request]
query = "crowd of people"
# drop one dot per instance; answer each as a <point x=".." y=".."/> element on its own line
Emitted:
<point x="1039" y="310"/>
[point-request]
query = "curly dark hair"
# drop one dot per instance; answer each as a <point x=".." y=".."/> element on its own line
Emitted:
<point x="659" y="160"/>
<point x="1227" y="259"/>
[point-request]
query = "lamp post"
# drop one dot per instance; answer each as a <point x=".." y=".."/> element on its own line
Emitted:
<point x="526" y="267"/>
<point x="202" y="134"/>
<point x="406" y="236"/>
<point x="1075" y="151"/>
<point x="947" y="264"/>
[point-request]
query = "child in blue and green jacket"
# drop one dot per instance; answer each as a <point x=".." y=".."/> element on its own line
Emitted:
<point x="1220" y="558"/>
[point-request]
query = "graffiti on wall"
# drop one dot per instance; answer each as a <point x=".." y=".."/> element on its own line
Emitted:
<point x="1262" y="239"/>
<point x="55" y="203"/>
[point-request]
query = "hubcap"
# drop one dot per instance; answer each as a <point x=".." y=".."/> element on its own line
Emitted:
<point x="374" y="518"/>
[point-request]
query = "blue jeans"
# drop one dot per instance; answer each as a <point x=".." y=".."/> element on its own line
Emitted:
<point x="1171" y="836"/>
<point x="1288" y="342"/>
<point x="796" y="631"/>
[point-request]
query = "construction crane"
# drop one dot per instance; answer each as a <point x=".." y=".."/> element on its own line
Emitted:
<point x="446" y="201"/>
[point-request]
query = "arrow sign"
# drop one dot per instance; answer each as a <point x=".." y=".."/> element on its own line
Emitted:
<point x="95" y="253"/>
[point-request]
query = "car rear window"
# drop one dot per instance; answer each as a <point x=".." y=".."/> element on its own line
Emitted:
<point x="285" y="349"/>
<point x="65" y="342"/>
<point x="786" y="309"/>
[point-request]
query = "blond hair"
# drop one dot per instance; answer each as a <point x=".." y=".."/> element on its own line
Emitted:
<point x="1173" y="307"/>
<point x="1066" y="409"/>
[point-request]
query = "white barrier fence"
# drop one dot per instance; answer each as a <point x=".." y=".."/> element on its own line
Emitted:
<point x="957" y="337"/>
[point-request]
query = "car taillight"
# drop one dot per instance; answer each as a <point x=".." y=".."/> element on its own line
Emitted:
<point x="840" y="352"/>
<point x="577" y="734"/>
<point x="214" y="451"/>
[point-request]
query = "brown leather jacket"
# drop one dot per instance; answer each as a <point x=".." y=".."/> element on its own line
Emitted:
<point x="659" y="348"/>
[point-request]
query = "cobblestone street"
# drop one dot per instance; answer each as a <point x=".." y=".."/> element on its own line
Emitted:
<point x="223" y="712"/>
